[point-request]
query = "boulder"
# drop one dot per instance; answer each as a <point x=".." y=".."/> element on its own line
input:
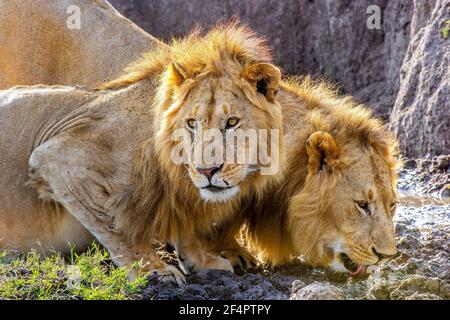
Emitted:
<point x="318" y="291"/>
<point x="328" y="38"/>
<point x="421" y="114"/>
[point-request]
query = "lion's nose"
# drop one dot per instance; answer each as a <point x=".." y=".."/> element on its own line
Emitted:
<point x="208" y="172"/>
<point x="383" y="254"/>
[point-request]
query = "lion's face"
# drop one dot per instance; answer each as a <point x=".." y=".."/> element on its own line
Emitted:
<point x="362" y="209"/>
<point x="221" y="126"/>
<point x="219" y="107"/>
<point x="354" y="225"/>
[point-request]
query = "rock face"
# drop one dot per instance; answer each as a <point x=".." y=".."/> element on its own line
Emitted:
<point x="421" y="115"/>
<point x="38" y="47"/>
<point x="426" y="176"/>
<point x="330" y="38"/>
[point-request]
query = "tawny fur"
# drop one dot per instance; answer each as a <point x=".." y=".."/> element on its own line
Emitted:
<point x="299" y="216"/>
<point x="174" y="208"/>
<point x="39" y="48"/>
<point x="104" y="155"/>
<point x="225" y="49"/>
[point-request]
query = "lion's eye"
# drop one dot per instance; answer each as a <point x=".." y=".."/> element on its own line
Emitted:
<point x="363" y="206"/>
<point x="232" y="122"/>
<point x="191" y="123"/>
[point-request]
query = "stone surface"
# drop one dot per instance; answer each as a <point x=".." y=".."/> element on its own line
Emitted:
<point x="443" y="162"/>
<point x="421" y="115"/>
<point x="328" y="38"/>
<point x="318" y="291"/>
<point x="216" y="284"/>
<point x="421" y="270"/>
<point x="426" y="176"/>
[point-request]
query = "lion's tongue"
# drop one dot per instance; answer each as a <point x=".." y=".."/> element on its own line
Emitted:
<point x="361" y="270"/>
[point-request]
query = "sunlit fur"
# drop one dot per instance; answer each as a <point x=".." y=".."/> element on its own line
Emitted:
<point x="312" y="212"/>
<point x="164" y="202"/>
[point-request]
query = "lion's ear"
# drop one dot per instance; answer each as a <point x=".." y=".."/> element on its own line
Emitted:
<point x="265" y="78"/>
<point x="322" y="150"/>
<point x="178" y="73"/>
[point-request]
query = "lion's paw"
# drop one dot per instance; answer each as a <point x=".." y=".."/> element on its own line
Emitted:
<point x="207" y="261"/>
<point x="170" y="274"/>
<point x="167" y="273"/>
<point x="218" y="263"/>
<point x="240" y="257"/>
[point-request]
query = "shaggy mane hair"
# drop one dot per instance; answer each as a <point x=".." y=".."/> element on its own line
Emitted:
<point x="225" y="47"/>
<point x="344" y="118"/>
<point x="268" y="224"/>
<point x="173" y="207"/>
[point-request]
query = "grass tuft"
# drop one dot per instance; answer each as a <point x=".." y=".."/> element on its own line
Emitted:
<point x="89" y="276"/>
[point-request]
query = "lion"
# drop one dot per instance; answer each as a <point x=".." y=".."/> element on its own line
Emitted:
<point x="336" y="199"/>
<point x="80" y="163"/>
<point x="42" y="43"/>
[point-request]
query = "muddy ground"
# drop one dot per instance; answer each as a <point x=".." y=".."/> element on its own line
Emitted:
<point x="421" y="269"/>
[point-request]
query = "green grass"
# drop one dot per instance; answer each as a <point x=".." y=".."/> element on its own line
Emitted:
<point x="87" y="276"/>
<point x="445" y="30"/>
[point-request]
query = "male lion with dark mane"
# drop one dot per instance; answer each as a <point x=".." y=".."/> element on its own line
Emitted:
<point x="99" y="162"/>
<point x="335" y="201"/>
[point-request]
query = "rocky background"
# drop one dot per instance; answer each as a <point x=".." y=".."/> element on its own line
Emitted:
<point x="401" y="70"/>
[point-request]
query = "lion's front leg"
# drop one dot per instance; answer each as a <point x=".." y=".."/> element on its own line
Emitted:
<point x="149" y="262"/>
<point x="82" y="187"/>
